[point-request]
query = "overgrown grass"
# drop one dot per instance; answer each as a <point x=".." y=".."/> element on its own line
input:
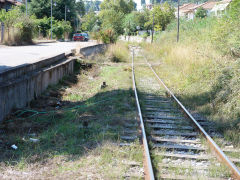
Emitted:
<point x="204" y="78"/>
<point x="78" y="131"/>
<point x="118" y="52"/>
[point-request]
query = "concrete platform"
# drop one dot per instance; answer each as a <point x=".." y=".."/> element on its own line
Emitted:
<point x="19" y="55"/>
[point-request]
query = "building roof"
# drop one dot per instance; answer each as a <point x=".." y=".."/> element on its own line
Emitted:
<point x="207" y="5"/>
<point x="186" y="6"/>
<point x="14" y="2"/>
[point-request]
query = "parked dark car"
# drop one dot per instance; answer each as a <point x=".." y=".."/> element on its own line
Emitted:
<point x="80" y="37"/>
<point x="86" y="36"/>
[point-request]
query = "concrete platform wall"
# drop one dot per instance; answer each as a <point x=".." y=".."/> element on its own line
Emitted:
<point x="18" y="92"/>
<point x="20" y="85"/>
<point x="91" y="51"/>
<point x="18" y="71"/>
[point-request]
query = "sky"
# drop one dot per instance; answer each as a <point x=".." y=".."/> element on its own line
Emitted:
<point x="136" y="1"/>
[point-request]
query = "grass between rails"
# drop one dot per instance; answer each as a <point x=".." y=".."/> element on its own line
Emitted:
<point x="152" y="87"/>
<point x="78" y="132"/>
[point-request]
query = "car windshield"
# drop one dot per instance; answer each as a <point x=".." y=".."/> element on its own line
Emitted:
<point x="78" y="35"/>
<point x="85" y="34"/>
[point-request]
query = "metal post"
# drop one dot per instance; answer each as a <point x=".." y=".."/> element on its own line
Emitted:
<point x="2" y="32"/>
<point x="152" y="27"/>
<point x="65" y="12"/>
<point x="178" y="22"/>
<point x="51" y="16"/>
<point x="26" y="1"/>
<point x="77" y="23"/>
<point x="128" y="30"/>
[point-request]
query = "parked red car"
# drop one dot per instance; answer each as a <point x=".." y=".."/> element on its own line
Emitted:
<point x="80" y="37"/>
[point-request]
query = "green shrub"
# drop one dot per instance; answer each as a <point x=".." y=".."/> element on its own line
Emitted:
<point x="201" y="13"/>
<point x="26" y="28"/>
<point x="225" y="34"/>
<point x="44" y="25"/>
<point x="108" y="36"/>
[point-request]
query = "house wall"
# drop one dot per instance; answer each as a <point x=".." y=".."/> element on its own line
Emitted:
<point x="191" y="15"/>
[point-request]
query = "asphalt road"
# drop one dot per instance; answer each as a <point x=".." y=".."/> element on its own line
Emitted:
<point x="18" y="55"/>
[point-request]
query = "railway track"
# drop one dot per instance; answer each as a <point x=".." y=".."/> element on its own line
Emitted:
<point x="176" y="146"/>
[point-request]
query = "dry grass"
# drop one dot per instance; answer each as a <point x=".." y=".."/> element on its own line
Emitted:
<point x="118" y="52"/>
<point x="203" y="78"/>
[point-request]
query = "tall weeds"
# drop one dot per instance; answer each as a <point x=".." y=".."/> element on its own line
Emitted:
<point x="203" y="69"/>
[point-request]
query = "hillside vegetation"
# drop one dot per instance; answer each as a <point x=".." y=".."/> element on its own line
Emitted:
<point x="203" y="68"/>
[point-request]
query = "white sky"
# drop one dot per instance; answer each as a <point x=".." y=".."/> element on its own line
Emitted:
<point x="136" y="1"/>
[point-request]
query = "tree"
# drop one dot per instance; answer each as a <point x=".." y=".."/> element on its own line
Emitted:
<point x="135" y="20"/>
<point x="60" y="27"/>
<point x="201" y="13"/>
<point x="122" y="6"/>
<point x="80" y="8"/>
<point x="89" y="21"/>
<point x="42" y="8"/>
<point x="9" y="18"/>
<point x="44" y="25"/>
<point x="141" y="18"/>
<point x="113" y="12"/>
<point x="234" y="9"/>
<point x="163" y="14"/>
<point x="130" y="23"/>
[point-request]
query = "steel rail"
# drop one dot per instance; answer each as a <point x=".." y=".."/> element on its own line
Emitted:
<point x="145" y="142"/>
<point x="213" y="145"/>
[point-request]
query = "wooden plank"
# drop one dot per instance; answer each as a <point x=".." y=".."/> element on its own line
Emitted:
<point x="235" y="160"/>
<point x="185" y="156"/>
<point x="184" y="177"/>
<point x="162" y="110"/>
<point x="130" y="125"/>
<point x="179" y="147"/>
<point x="156" y="101"/>
<point x="184" y="166"/>
<point x="128" y="138"/>
<point x="164" y="117"/>
<point x="175" y="133"/>
<point x="157" y="106"/>
<point x="159" y="126"/>
<point x="230" y="150"/>
<point x="159" y="121"/>
<point x="160" y="139"/>
<point x="130" y="131"/>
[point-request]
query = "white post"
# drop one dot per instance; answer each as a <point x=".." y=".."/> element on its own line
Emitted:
<point x="65" y="12"/>
<point x="51" y="17"/>
<point x="2" y="32"/>
<point x="26" y="1"/>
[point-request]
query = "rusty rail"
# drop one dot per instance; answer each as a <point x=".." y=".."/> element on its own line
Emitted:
<point x="150" y="172"/>
<point x="214" y="147"/>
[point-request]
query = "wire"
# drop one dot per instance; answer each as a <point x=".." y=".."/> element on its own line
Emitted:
<point x="21" y="112"/>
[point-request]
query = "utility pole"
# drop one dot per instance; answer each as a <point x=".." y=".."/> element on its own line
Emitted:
<point x="51" y="16"/>
<point x="65" y="12"/>
<point x="178" y="22"/>
<point x="152" y="26"/>
<point x="26" y="2"/>
<point x="2" y="31"/>
<point x="129" y="30"/>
